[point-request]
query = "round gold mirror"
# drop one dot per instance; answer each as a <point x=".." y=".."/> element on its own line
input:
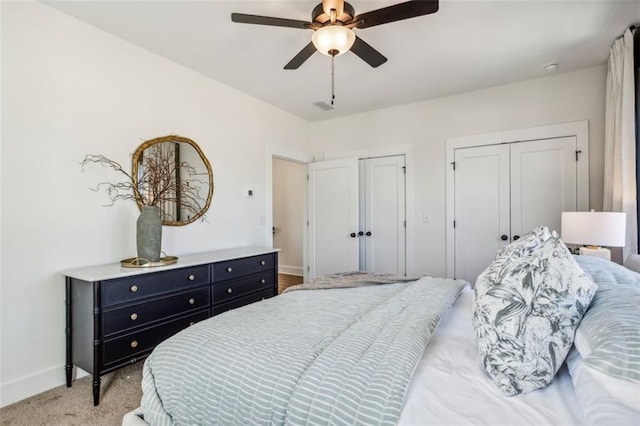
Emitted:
<point x="172" y="172"/>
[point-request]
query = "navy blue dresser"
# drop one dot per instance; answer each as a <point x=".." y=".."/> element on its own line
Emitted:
<point x="116" y="316"/>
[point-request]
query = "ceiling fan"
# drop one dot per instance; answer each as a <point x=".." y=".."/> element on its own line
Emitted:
<point x="333" y="21"/>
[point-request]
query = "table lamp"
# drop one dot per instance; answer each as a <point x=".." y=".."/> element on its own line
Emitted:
<point x="592" y="230"/>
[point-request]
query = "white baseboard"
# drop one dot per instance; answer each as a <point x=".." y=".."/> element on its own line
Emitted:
<point x="34" y="384"/>
<point x="290" y="270"/>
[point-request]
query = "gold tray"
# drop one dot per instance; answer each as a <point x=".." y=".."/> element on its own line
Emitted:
<point x="138" y="262"/>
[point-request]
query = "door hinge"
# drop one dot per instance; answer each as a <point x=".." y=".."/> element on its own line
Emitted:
<point x="454" y="223"/>
<point x="307" y="223"/>
<point x="453" y="164"/>
<point x="308" y="269"/>
<point x="404" y="169"/>
<point x="578" y="152"/>
<point x="405" y="223"/>
<point x="307" y="177"/>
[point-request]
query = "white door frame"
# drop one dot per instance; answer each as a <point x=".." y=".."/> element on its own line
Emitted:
<point x="578" y="129"/>
<point x="298" y="156"/>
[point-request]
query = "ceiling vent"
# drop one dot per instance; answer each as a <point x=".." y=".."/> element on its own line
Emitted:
<point x="323" y="105"/>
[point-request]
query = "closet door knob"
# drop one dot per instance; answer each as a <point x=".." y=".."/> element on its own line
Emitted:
<point x="353" y="235"/>
<point x="503" y="237"/>
<point x="368" y="233"/>
<point x="360" y="233"/>
<point x="516" y="237"/>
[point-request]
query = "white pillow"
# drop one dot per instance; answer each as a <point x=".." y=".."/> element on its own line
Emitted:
<point x="528" y="305"/>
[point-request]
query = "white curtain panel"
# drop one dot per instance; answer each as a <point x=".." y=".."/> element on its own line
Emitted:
<point x="620" y="139"/>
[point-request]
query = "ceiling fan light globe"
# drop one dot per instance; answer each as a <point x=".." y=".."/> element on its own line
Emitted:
<point x="332" y="38"/>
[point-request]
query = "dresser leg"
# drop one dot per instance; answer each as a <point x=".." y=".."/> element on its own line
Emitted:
<point x="96" y="390"/>
<point x="69" y="371"/>
<point x="69" y="364"/>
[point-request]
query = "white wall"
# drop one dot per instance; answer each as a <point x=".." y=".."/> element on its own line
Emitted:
<point x="425" y="126"/>
<point x="69" y="89"/>
<point x="289" y="189"/>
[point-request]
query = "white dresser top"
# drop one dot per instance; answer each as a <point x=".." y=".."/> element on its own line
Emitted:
<point x="115" y="270"/>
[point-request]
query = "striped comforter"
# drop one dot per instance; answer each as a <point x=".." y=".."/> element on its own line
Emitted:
<point x="328" y="356"/>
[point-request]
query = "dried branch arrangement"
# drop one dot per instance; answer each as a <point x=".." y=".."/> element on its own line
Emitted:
<point x="161" y="181"/>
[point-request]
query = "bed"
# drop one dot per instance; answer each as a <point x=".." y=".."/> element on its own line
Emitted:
<point x="220" y="372"/>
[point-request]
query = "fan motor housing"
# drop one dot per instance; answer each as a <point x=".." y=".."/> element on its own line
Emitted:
<point x="319" y="17"/>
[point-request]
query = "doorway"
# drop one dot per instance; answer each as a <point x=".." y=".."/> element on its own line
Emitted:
<point x="289" y="180"/>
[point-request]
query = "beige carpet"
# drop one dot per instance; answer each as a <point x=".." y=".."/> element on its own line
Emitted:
<point x="120" y="393"/>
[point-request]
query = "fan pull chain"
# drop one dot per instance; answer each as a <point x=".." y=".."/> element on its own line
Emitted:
<point x="333" y="79"/>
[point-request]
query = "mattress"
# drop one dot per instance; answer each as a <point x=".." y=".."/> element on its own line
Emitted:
<point x="450" y="387"/>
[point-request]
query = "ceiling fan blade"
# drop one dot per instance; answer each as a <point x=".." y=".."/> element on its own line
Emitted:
<point x="397" y="12"/>
<point x="302" y="56"/>
<point x="368" y="53"/>
<point x="267" y="20"/>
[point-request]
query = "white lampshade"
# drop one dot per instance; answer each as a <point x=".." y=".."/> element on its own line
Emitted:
<point x="594" y="228"/>
<point x="333" y="38"/>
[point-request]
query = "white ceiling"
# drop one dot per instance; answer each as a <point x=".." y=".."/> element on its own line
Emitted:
<point x="466" y="45"/>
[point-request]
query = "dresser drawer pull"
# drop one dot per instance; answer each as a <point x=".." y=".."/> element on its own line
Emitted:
<point x="134" y="344"/>
<point x="262" y="262"/>
<point x="262" y="281"/>
<point x="192" y="301"/>
<point x="134" y="316"/>
<point x="229" y="269"/>
<point x="134" y="288"/>
<point x="229" y="290"/>
<point x="192" y="277"/>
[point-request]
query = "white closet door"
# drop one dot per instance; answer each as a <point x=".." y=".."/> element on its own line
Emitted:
<point x="333" y="216"/>
<point x="383" y="209"/>
<point x="481" y="205"/>
<point x="543" y="183"/>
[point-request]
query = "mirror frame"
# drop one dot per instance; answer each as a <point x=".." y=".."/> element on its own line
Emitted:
<point x="174" y="138"/>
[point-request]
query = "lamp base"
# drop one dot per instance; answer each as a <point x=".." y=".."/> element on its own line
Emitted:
<point x="603" y="253"/>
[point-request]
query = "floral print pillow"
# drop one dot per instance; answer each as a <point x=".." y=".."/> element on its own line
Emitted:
<point x="528" y="304"/>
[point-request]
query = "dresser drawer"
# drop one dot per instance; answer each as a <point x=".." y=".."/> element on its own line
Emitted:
<point x="237" y="288"/>
<point x="122" y="319"/>
<point x="238" y="267"/>
<point x="219" y="308"/>
<point x="140" y="286"/>
<point x="137" y="344"/>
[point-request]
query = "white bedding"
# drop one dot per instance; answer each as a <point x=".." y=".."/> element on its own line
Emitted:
<point x="600" y="407"/>
<point x="449" y="386"/>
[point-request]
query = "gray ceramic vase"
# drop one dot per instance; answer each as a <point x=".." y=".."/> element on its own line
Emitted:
<point x="149" y="233"/>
